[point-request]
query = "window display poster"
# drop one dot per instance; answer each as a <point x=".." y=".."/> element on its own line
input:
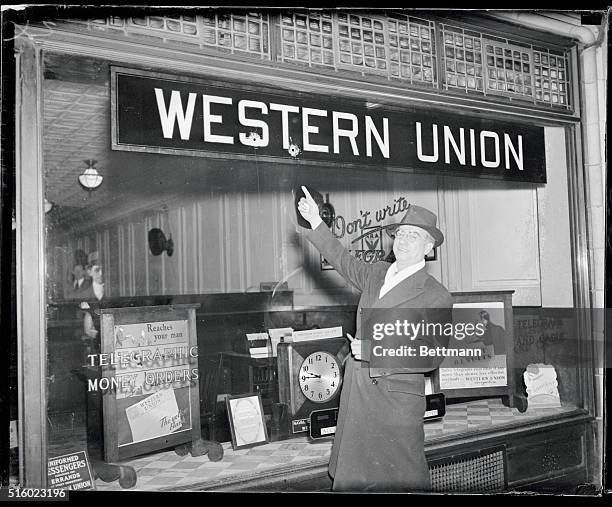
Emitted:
<point x="490" y="368"/>
<point x="154" y="369"/>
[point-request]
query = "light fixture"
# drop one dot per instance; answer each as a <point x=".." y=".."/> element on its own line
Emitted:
<point x="90" y="178"/>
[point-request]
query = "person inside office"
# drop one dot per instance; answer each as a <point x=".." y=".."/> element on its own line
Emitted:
<point x="379" y="441"/>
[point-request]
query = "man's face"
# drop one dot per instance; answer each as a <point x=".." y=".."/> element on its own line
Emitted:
<point x="410" y="245"/>
<point x="78" y="272"/>
<point x="95" y="272"/>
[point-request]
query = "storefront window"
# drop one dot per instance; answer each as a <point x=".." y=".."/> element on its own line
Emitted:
<point x="175" y="269"/>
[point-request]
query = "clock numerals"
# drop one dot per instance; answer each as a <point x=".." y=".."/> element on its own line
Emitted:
<point x="319" y="379"/>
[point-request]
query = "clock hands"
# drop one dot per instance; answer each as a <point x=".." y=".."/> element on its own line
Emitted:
<point x="313" y="375"/>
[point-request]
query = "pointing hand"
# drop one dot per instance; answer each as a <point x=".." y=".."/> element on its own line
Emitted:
<point x="309" y="209"/>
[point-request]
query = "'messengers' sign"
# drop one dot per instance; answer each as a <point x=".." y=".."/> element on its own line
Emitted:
<point x="163" y="113"/>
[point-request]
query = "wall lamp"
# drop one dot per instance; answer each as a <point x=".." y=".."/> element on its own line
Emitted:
<point x="90" y="178"/>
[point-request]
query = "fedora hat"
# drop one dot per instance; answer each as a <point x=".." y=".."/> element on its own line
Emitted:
<point x="419" y="217"/>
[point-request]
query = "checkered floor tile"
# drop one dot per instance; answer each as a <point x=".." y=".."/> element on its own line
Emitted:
<point x="166" y="470"/>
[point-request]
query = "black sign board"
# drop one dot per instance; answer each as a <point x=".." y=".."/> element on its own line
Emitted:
<point x="165" y="113"/>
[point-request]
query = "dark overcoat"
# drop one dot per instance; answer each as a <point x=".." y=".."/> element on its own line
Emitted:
<point x="83" y="293"/>
<point x="379" y="441"/>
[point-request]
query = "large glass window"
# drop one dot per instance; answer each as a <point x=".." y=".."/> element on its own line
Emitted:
<point x="128" y="229"/>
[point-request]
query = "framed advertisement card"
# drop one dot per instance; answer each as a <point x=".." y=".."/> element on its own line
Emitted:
<point x="491" y="373"/>
<point x="247" y="422"/>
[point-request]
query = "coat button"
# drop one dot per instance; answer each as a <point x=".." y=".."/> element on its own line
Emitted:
<point x="374" y="381"/>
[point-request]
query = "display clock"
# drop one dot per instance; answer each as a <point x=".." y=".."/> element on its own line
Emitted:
<point x="310" y="377"/>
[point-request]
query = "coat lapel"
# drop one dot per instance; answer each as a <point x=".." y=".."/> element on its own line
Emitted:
<point x="411" y="287"/>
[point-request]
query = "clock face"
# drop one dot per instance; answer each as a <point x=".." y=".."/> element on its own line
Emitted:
<point x="320" y="377"/>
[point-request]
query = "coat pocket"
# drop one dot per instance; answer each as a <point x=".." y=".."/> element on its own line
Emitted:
<point x="405" y="383"/>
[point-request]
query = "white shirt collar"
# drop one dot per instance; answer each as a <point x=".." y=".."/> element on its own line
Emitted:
<point x="394" y="277"/>
<point x="98" y="289"/>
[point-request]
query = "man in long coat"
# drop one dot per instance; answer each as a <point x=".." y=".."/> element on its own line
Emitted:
<point x="379" y="441"/>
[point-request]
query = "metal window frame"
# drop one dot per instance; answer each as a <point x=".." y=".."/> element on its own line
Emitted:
<point x="488" y="29"/>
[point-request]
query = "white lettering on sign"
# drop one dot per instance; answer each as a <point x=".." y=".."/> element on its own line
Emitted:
<point x="308" y="129"/>
<point x="175" y="113"/>
<point x="518" y="158"/>
<point x="483" y="148"/>
<point x="459" y="145"/>
<point x="214" y="118"/>
<point x="70" y="471"/>
<point x="351" y="133"/>
<point x="285" y="110"/>
<point x="248" y="122"/>
<point x="422" y="157"/>
<point x="489" y="148"/>
<point x="383" y="143"/>
<point x="472" y="148"/>
<point x="459" y="150"/>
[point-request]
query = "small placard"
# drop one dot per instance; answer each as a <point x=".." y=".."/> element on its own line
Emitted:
<point x="247" y="423"/>
<point x="299" y="425"/>
<point x="155" y="416"/>
<point x="317" y="334"/>
<point x="259" y="344"/>
<point x="323" y="423"/>
<point x="435" y="406"/>
<point x="285" y="332"/>
<point x="257" y="339"/>
<point x="541" y="383"/>
<point x="70" y="471"/>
